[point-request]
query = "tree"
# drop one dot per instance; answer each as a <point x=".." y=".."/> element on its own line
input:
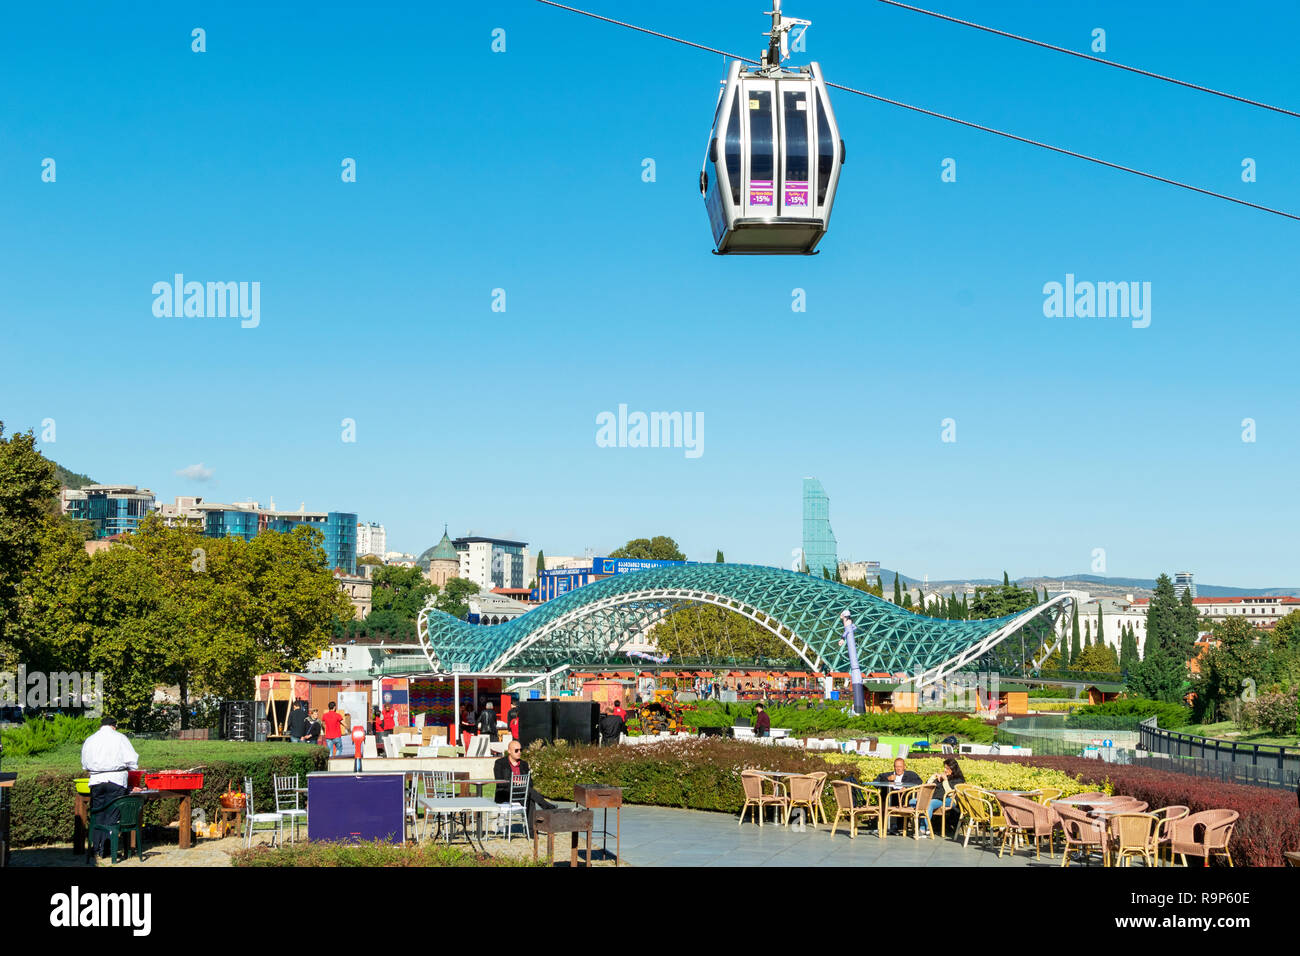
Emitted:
<point x="898" y="593"/>
<point x="1074" y="633"/>
<point x="713" y="634"/>
<point x="28" y="491"/>
<point x="1284" y="651"/>
<point x="875" y="587"/>
<point x="1096" y="658"/>
<point x="907" y="600"/>
<point x="720" y="559"/>
<point x="1160" y="675"/>
<point x="1101" y="632"/>
<point x="658" y="548"/>
<point x="1006" y="581"/>
<point x="452" y="600"/>
<point x="1087" y="634"/>
<point x="1189" y="621"/>
<point x="999" y="602"/>
<point x="370" y="559"/>
<point x="1166" y="623"/>
<point x="1236" y="664"/>
<point x="541" y="562"/>
<point x="1128" y="653"/>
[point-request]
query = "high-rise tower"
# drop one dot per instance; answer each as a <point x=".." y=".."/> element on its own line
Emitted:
<point x="818" y="539"/>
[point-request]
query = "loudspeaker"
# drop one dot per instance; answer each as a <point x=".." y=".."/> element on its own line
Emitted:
<point x="536" y="722"/>
<point x="239" y="720"/>
<point x="575" y="720"/>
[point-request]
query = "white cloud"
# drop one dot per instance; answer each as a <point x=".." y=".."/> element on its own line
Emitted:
<point x="199" y="472"/>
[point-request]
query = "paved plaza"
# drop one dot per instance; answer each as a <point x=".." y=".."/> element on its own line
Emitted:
<point x="657" y="836"/>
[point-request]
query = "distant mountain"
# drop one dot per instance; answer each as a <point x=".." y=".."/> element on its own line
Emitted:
<point x="70" y="479"/>
<point x="1094" y="583"/>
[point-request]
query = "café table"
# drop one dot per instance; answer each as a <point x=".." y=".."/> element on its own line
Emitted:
<point x="456" y="805"/>
<point x="81" y="816"/>
<point x="776" y="775"/>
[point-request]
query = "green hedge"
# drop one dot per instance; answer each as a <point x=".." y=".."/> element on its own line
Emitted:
<point x="41" y="798"/>
<point x="1135" y="709"/>
<point x="703" y="773"/>
<point x="320" y="853"/>
<point x="832" y="719"/>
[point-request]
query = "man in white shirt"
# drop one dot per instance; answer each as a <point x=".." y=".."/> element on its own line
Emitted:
<point x="107" y="756"/>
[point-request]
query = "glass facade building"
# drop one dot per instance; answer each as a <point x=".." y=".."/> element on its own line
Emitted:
<point x="818" y="539"/>
<point x="110" y="509"/>
<point x="338" y="528"/>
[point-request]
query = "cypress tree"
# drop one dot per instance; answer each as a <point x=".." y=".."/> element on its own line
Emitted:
<point x="1074" y="635"/>
<point x="907" y="600"/>
<point x="1189" y="622"/>
<point x="898" y="593"/>
<point x="1006" y="581"/>
<point x="1087" y="633"/>
<point x="719" y="559"/>
<point x="1101" y="634"/>
<point x="965" y="607"/>
<point x="1128" y="649"/>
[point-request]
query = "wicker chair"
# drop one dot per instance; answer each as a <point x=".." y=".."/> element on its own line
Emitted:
<point x="981" y="814"/>
<point x="818" y="803"/>
<point x="805" y="791"/>
<point x="1027" y="818"/>
<point x="1167" y="817"/>
<point x="1047" y="794"/>
<point x="1082" y="833"/>
<point x="844" y="807"/>
<point x="1134" y="834"/>
<point x="752" y="781"/>
<point x="910" y="804"/>
<point x="1125" y="805"/>
<point x="1203" y="834"/>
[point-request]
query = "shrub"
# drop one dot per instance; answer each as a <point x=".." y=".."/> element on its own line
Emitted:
<point x="1268" y="825"/>
<point x="38" y="735"/>
<point x="41" y="798"/>
<point x="1092" y="716"/>
<point x="1275" y="713"/>
<point x="704" y="773"/>
<point x="833" y="719"/>
<point x="320" y="853"/>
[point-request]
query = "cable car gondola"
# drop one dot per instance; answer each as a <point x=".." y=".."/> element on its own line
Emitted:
<point x="774" y="155"/>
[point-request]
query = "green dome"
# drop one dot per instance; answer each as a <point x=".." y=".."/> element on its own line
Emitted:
<point x="444" y="550"/>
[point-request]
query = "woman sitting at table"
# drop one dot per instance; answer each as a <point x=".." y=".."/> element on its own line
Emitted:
<point x="945" y="788"/>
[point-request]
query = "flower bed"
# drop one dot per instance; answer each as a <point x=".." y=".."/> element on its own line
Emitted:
<point x="321" y="853"/>
<point x="1268" y="827"/>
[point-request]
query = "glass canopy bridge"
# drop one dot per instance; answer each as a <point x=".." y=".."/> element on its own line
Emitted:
<point x="589" y="626"/>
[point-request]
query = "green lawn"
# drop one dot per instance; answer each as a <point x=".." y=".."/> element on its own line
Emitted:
<point x="155" y="754"/>
<point x="1227" y="730"/>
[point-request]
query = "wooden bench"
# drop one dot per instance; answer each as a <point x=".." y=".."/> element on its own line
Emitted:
<point x="551" y="822"/>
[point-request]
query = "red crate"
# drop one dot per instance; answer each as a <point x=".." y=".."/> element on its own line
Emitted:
<point x="173" y="781"/>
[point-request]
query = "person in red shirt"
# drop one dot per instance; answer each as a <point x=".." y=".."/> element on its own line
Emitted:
<point x="514" y="723"/>
<point x="619" y="712"/>
<point x="333" y="723"/>
<point x="390" y="719"/>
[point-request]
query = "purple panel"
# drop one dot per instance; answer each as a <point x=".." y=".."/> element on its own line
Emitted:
<point x="350" y="808"/>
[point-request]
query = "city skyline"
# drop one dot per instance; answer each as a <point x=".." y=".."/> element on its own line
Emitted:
<point x="924" y="315"/>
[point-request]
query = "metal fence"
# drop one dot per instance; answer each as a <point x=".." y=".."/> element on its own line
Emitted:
<point x="1052" y="736"/>
<point x="1227" y="760"/>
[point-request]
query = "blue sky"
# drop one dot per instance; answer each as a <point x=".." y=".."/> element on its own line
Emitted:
<point x="522" y="171"/>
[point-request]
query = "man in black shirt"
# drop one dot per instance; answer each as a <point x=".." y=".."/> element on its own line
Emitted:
<point x="297" y="721"/>
<point x="611" y="727"/>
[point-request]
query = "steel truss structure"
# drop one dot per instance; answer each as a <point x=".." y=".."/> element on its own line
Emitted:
<point x="589" y="626"/>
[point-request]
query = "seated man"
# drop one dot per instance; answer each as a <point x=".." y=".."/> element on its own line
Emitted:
<point x="901" y="776"/>
<point x="513" y="765"/>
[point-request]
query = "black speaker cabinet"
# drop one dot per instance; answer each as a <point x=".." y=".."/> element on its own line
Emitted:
<point x="536" y="722"/>
<point x="575" y="720"/>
